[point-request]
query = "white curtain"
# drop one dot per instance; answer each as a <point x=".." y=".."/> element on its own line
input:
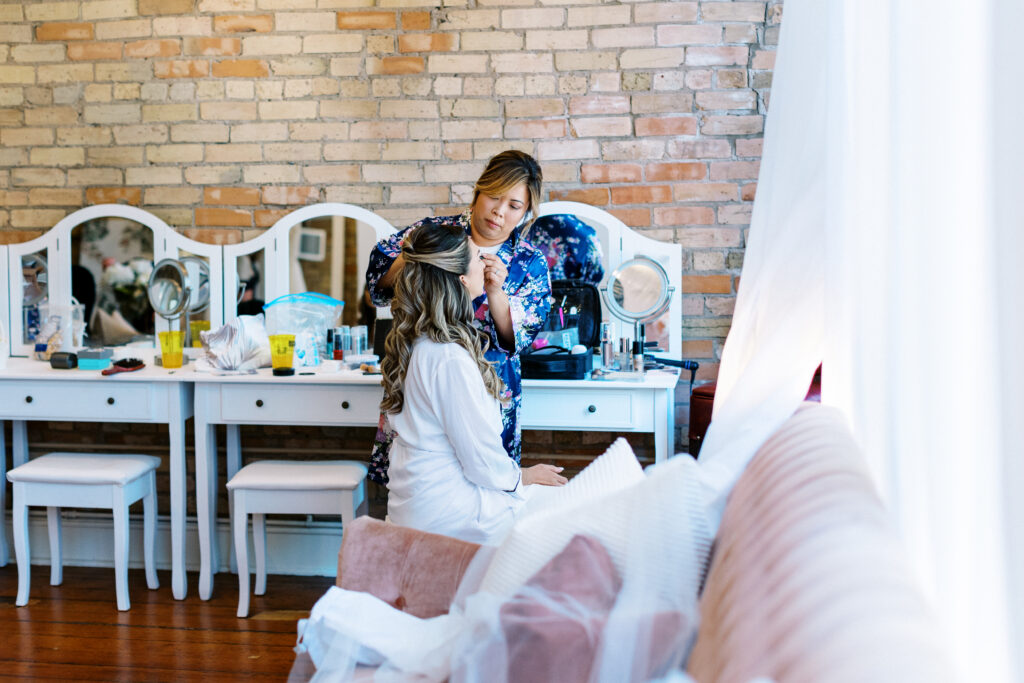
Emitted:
<point x="886" y="241"/>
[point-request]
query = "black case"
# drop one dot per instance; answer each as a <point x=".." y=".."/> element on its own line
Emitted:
<point x="555" y="361"/>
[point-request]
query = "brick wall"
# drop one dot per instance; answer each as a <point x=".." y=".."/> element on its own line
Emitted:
<point x="220" y="116"/>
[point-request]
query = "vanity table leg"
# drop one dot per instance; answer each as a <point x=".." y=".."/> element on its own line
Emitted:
<point x="234" y="463"/>
<point x="3" y="497"/>
<point x="664" y="424"/>
<point x="206" y="451"/>
<point x="178" y="471"/>
<point x="19" y="445"/>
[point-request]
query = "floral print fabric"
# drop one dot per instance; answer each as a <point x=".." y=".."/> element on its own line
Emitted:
<point x="570" y="246"/>
<point x="529" y="293"/>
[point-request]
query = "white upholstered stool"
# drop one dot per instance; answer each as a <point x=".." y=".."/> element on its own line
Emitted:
<point x="332" y="487"/>
<point x="85" y="480"/>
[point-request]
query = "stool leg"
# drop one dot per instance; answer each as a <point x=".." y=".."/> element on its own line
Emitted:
<point x="259" y="548"/>
<point x="149" y="531"/>
<point x="348" y="508"/>
<point x="21" y="549"/>
<point x="239" y="523"/>
<point x="121" y="549"/>
<point x="56" y="553"/>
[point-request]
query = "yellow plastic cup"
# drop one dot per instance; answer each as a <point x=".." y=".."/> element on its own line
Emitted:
<point x="282" y="352"/>
<point x="170" y="348"/>
<point x="195" y="327"/>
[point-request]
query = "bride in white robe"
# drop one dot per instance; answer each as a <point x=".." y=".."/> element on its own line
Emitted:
<point x="449" y="473"/>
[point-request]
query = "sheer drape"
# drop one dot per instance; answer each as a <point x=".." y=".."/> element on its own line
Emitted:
<point x="886" y="241"/>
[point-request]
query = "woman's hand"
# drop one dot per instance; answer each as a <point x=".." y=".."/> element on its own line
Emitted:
<point x="495" y="273"/>
<point x="545" y="475"/>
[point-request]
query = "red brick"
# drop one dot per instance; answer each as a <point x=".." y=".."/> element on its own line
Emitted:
<point x="231" y="196"/>
<point x="748" y="192"/>
<point x="59" y="30"/>
<point x="426" y="42"/>
<point x="223" y="217"/>
<point x="698" y="348"/>
<point x="704" y="192"/>
<point x="415" y="21"/>
<point x="367" y="20"/>
<point x="707" y="371"/>
<point x="290" y="194"/>
<point x="595" y="196"/>
<point x="241" y="68"/>
<point x="181" y="68"/>
<point x="153" y="48"/>
<point x="215" y="47"/>
<point x="267" y="217"/>
<point x="634" y="218"/>
<point x="217" y="236"/>
<point x="676" y="171"/>
<point x="734" y="170"/>
<point x="749" y="147"/>
<point x="684" y="215"/>
<point x="94" y="51"/>
<point x="707" y="284"/>
<point x="400" y="65"/>
<point x="19" y="236"/>
<point x="666" y="125"/>
<point x="554" y="128"/>
<point x="643" y="194"/>
<point x="599" y="104"/>
<point x="114" y="195"/>
<point x="243" y="23"/>
<point x="611" y="173"/>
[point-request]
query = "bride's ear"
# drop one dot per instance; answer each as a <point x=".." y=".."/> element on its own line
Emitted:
<point x="464" y="280"/>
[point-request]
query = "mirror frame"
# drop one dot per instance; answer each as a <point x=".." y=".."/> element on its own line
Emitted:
<point x="650" y="314"/>
<point x="186" y="294"/>
<point x="5" y="318"/>
<point x="276" y="245"/>
<point x="56" y="243"/>
<point x="620" y="243"/>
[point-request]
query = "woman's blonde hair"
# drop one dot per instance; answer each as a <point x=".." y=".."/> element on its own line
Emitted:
<point x="504" y="171"/>
<point x="430" y="301"/>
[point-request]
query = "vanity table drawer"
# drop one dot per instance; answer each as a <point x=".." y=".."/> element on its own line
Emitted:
<point x="295" y="404"/>
<point x="578" y="409"/>
<point x="76" y="401"/>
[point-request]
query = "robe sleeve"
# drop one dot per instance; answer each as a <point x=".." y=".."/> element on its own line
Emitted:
<point x="529" y="305"/>
<point x="472" y="421"/>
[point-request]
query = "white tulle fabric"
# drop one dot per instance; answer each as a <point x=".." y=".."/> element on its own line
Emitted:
<point x="655" y="531"/>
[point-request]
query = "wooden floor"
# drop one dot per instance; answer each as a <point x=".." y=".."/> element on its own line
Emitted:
<point x="74" y="632"/>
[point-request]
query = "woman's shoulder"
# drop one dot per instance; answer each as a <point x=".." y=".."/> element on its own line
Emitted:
<point x="438" y="352"/>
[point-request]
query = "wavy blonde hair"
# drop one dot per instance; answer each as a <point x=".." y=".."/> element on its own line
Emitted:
<point x="430" y="301"/>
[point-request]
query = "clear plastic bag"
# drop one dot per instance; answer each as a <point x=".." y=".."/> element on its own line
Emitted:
<point x="307" y="315"/>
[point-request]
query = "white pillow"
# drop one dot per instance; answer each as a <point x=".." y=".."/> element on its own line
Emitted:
<point x="660" y="515"/>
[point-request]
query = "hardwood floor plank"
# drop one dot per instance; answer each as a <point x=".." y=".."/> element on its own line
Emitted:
<point x="74" y="631"/>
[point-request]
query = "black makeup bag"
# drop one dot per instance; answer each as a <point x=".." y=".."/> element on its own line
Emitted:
<point x="574" y="318"/>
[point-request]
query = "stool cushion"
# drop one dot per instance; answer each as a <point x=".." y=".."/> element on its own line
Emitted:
<point x="314" y="475"/>
<point x="84" y="468"/>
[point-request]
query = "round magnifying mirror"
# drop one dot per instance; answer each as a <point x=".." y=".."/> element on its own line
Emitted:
<point x="34" y="274"/>
<point x="638" y="290"/>
<point x="168" y="289"/>
<point x="197" y="283"/>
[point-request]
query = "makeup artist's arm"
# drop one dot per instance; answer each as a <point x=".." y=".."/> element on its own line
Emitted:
<point x="495" y="273"/>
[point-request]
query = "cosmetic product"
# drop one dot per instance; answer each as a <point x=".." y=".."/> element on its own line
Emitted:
<point x="638" y="356"/>
<point x="339" y="342"/>
<point x="625" y="354"/>
<point x="329" y="347"/>
<point x="359" y="339"/>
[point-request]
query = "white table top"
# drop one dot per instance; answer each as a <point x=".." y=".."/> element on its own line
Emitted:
<point x="27" y="368"/>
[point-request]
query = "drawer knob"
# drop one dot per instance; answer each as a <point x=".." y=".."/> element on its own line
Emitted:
<point x="591" y="408"/>
<point x="110" y="401"/>
<point x="259" y="403"/>
<point x="344" y="404"/>
<point x="28" y="399"/>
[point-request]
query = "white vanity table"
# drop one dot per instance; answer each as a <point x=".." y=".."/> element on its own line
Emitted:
<point x="32" y="390"/>
<point x="352" y="399"/>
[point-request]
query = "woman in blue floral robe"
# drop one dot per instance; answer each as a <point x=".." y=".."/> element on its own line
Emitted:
<point x="517" y="292"/>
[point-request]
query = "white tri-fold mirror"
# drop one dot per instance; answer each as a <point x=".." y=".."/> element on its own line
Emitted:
<point x="99" y="257"/>
<point x="321" y="248"/>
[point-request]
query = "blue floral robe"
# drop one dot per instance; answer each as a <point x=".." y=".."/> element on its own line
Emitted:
<point x="571" y="247"/>
<point x="529" y="295"/>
